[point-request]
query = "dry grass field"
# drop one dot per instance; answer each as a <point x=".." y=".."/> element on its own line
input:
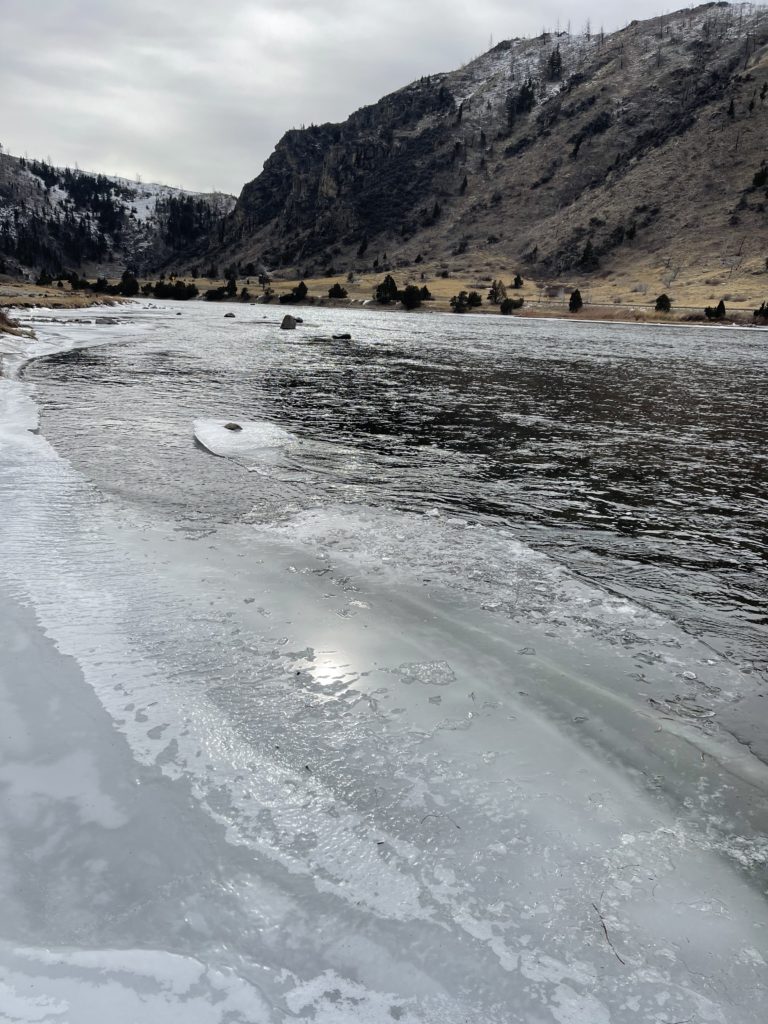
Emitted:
<point x="625" y="293"/>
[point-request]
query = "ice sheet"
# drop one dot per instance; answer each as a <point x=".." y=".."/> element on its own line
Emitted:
<point x="266" y="773"/>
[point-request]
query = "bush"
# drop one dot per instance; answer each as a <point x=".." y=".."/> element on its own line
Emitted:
<point x="298" y="294"/>
<point x="663" y="303"/>
<point x="410" y="296"/>
<point x="474" y="299"/>
<point x="44" y="279"/>
<point x="337" y="292"/>
<point x="508" y="305"/>
<point x="497" y="292"/>
<point x="762" y="312"/>
<point x="178" y="290"/>
<point x="718" y="313"/>
<point x="425" y="293"/>
<point x="518" y="281"/>
<point x="459" y="302"/>
<point x="575" y="302"/>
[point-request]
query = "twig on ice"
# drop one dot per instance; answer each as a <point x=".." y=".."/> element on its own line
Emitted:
<point x="607" y="936"/>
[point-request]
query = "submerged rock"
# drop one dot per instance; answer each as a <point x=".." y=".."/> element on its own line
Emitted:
<point x="289" y="322"/>
<point x="342" y="337"/>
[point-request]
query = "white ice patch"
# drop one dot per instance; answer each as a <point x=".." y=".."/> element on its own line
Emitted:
<point x="256" y="439"/>
<point x="123" y="986"/>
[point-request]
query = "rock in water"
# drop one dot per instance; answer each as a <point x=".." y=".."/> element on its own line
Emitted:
<point x="229" y="314"/>
<point x="289" y="323"/>
<point x="342" y="337"/>
<point x="232" y="426"/>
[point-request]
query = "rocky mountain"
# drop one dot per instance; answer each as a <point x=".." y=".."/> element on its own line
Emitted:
<point x="58" y="219"/>
<point x="562" y="153"/>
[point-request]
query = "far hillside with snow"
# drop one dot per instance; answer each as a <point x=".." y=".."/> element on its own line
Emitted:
<point x="58" y="219"/>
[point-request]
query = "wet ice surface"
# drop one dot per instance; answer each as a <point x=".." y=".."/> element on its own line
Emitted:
<point x="311" y="742"/>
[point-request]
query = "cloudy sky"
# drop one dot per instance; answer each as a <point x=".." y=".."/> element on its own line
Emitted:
<point x="198" y="93"/>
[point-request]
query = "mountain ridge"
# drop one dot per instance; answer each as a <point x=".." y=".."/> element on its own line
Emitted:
<point x="511" y="160"/>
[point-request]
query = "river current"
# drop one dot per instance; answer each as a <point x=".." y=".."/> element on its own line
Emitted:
<point x="635" y="456"/>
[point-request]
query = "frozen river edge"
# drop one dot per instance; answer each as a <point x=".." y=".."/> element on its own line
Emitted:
<point x="555" y="852"/>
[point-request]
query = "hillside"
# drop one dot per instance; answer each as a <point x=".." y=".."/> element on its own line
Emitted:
<point x="58" y="219"/>
<point x="639" y="154"/>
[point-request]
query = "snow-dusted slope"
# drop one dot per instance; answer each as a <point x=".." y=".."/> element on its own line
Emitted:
<point x="57" y="218"/>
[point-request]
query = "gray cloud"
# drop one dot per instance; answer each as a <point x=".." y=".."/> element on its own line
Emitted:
<point x="198" y="94"/>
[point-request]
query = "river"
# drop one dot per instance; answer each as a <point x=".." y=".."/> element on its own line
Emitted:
<point x="432" y="693"/>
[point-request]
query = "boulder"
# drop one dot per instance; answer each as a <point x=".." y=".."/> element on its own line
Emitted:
<point x="232" y="426"/>
<point x="342" y="337"/>
<point x="289" y="323"/>
<point x="230" y="315"/>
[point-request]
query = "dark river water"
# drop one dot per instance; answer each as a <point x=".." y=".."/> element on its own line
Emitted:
<point x="635" y="456"/>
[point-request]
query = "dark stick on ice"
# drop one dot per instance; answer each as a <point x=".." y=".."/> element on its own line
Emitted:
<point x="607" y="936"/>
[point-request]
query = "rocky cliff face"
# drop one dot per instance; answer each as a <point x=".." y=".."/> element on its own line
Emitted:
<point x="559" y="152"/>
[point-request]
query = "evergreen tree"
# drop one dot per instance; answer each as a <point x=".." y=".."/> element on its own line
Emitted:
<point x="336" y="291"/>
<point x="575" y="302"/>
<point x="410" y="296"/>
<point x="555" y="65"/>
<point x="663" y="303"/>
<point x="497" y="292"/>
<point x="386" y="291"/>
<point x="589" y="260"/>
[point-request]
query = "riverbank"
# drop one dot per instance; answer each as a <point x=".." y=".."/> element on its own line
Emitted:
<point x="598" y="306"/>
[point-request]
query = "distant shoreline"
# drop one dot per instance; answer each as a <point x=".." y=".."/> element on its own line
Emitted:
<point x="28" y="296"/>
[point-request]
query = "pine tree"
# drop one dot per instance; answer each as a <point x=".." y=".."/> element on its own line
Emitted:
<point x="575" y="302"/>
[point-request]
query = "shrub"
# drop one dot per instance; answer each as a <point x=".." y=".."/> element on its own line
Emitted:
<point x="474" y="299"/>
<point x="663" y="303"/>
<point x="410" y="296"/>
<point x="575" y="302"/>
<point x="718" y="313"/>
<point x="297" y="294"/>
<point x="508" y="305"/>
<point x="497" y="292"/>
<point x="336" y="291"/>
<point x="459" y="303"/>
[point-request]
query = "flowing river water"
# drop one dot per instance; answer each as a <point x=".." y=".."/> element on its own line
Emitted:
<point x="446" y="668"/>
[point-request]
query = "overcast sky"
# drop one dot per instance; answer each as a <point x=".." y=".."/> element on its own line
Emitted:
<point x="197" y="94"/>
